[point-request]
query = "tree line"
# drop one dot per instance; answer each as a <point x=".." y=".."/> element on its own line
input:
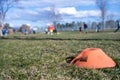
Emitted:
<point x="110" y="24"/>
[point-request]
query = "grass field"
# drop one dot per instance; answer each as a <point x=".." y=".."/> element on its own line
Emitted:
<point x="42" y="57"/>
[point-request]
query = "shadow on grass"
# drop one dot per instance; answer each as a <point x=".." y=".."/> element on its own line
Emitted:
<point x="34" y="38"/>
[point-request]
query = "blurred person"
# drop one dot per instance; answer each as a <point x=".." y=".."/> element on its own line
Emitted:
<point x="55" y="31"/>
<point x="85" y="27"/>
<point x="80" y="29"/>
<point x="98" y="28"/>
<point x="51" y="29"/>
<point x="46" y="31"/>
<point x="118" y="25"/>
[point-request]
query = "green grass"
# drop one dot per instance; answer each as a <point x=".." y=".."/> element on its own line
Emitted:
<point x="42" y="57"/>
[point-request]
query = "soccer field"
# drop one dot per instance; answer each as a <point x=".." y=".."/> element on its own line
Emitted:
<point x="42" y="57"/>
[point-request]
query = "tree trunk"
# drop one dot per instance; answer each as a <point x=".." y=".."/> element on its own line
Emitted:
<point x="1" y="32"/>
<point x="103" y="25"/>
<point x="1" y="28"/>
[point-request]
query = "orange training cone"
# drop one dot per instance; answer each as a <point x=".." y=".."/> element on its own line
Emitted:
<point x="93" y="58"/>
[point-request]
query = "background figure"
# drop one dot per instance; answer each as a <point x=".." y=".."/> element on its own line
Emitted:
<point x="85" y="27"/>
<point x="23" y="30"/>
<point x="46" y="31"/>
<point x="34" y="32"/>
<point x="98" y="28"/>
<point x="50" y="29"/>
<point x="5" y="31"/>
<point x="80" y="29"/>
<point x="55" y="31"/>
<point x="118" y="25"/>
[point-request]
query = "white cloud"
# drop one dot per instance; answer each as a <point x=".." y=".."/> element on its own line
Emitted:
<point x="30" y="12"/>
<point x="83" y="13"/>
<point x="87" y="13"/>
<point x="21" y="13"/>
<point x="68" y="10"/>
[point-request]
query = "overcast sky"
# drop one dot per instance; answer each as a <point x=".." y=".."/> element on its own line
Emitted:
<point x="35" y="12"/>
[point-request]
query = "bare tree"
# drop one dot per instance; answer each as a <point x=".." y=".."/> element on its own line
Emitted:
<point x="5" y="5"/>
<point x="111" y="16"/>
<point x="54" y="15"/>
<point x="102" y="5"/>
